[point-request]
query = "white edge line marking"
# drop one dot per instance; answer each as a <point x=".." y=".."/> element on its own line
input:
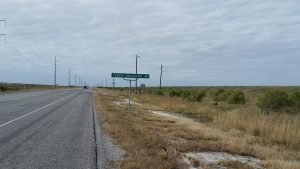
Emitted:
<point x="2" y="125"/>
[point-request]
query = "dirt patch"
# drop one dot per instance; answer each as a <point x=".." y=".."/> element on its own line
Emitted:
<point x="164" y="114"/>
<point x="220" y="160"/>
<point x="125" y="102"/>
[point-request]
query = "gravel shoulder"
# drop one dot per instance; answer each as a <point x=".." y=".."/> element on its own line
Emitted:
<point x="108" y="154"/>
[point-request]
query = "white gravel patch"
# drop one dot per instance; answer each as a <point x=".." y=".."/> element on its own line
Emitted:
<point x="132" y="102"/>
<point x="125" y="101"/>
<point x="164" y="114"/>
<point x="118" y="103"/>
<point x="213" y="158"/>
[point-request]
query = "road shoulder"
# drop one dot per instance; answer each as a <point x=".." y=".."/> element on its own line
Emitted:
<point x="108" y="155"/>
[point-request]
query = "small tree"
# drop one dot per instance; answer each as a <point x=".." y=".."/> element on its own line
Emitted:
<point x="219" y="95"/>
<point x="295" y="100"/>
<point x="273" y="100"/>
<point x="236" y="97"/>
<point x="196" y="97"/>
<point x="185" y="94"/>
<point x="160" y="93"/>
<point x="3" y="88"/>
<point x="174" y="93"/>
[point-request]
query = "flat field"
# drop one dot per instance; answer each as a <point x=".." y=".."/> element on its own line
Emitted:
<point x="162" y="131"/>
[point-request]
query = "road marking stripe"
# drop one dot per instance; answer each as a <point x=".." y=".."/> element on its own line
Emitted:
<point x="2" y="125"/>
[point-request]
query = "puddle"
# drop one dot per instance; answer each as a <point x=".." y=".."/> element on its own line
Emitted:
<point x="213" y="159"/>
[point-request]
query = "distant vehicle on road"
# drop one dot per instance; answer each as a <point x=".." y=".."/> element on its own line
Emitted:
<point x="85" y="87"/>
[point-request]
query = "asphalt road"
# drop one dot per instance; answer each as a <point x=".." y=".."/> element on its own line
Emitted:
<point x="47" y="129"/>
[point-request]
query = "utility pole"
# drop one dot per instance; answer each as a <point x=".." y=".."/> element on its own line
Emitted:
<point x="136" y="71"/>
<point x="69" y="77"/>
<point x="55" y="72"/>
<point x="161" y="70"/>
<point x="75" y="80"/>
<point x="106" y="83"/>
<point x="113" y="83"/>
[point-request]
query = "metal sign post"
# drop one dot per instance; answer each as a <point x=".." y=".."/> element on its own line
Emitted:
<point x="129" y="77"/>
<point x="129" y="93"/>
<point x="129" y="97"/>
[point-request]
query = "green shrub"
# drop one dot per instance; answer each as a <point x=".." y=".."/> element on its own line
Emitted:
<point x="273" y="100"/>
<point x="222" y="97"/>
<point x="195" y="96"/>
<point x="185" y="94"/>
<point x="174" y="93"/>
<point x="219" y="91"/>
<point x="219" y="95"/>
<point x="189" y="95"/>
<point x="236" y="97"/>
<point x="190" y="98"/>
<point x="3" y="88"/>
<point x="295" y="100"/>
<point x="199" y="96"/>
<point x="160" y="93"/>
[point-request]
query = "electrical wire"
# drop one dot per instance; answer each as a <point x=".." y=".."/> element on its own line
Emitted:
<point x="214" y="8"/>
<point x="13" y="32"/>
<point x="11" y="48"/>
<point x="227" y="13"/>
<point x="23" y="44"/>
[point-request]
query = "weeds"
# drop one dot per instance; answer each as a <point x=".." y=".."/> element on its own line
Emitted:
<point x="156" y="142"/>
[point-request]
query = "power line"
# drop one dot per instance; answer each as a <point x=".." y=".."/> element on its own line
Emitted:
<point x="22" y="43"/>
<point x="213" y="9"/>
<point x="20" y="53"/>
<point x="227" y="13"/>
<point x="25" y="45"/>
<point x="15" y="49"/>
<point x="55" y="72"/>
<point x="3" y="20"/>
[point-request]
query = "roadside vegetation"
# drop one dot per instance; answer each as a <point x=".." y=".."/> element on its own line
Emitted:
<point x="7" y="87"/>
<point x="262" y="122"/>
<point x="272" y="113"/>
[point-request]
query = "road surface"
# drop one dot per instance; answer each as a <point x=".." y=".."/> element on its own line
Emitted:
<point x="47" y="129"/>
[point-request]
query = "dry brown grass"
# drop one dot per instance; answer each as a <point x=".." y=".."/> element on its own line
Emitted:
<point x="235" y="164"/>
<point x="145" y="146"/>
<point x="274" y="128"/>
<point x="156" y="142"/>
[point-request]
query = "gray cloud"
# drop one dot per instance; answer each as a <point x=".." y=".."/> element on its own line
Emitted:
<point x="257" y="44"/>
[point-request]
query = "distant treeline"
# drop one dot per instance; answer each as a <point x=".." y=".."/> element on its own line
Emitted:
<point x="269" y="99"/>
<point x="21" y="86"/>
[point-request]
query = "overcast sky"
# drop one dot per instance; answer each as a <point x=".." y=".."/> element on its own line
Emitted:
<point x="199" y="42"/>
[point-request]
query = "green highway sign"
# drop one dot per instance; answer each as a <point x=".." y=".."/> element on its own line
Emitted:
<point x="130" y="75"/>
